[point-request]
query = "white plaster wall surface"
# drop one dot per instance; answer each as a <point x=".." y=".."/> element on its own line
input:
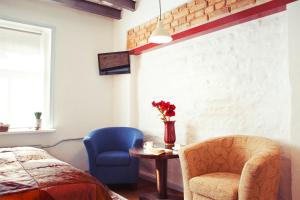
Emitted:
<point x="294" y="60"/>
<point x="82" y="100"/>
<point x="230" y="81"/>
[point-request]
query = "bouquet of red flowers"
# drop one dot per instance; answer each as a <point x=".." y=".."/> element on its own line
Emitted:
<point x="166" y="110"/>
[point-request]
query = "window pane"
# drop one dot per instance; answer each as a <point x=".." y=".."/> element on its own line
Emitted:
<point x="26" y="93"/>
<point x="22" y="76"/>
<point x="20" y="50"/>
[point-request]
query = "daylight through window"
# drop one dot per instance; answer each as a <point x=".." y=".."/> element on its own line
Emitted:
<point x="24" y="74"/>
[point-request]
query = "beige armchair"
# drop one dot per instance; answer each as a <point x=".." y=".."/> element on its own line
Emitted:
<point x="231" y="168"/>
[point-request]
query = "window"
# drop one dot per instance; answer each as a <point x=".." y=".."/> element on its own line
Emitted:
<point x="24" y="74"/>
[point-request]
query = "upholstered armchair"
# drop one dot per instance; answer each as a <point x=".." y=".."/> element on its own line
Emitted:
<point x="108" y="155"/>
<point x="231" y="168"/>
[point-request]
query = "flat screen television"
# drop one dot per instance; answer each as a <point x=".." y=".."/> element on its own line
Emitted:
<point x="114" y="63"/>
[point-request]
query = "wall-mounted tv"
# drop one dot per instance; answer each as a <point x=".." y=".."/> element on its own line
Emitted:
<point x="114" y="63"/>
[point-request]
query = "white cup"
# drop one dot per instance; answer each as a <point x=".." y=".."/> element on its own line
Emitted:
<point x="148" y="145"/>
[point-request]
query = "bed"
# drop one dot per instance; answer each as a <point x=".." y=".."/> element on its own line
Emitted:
<point x="28" y="173"/>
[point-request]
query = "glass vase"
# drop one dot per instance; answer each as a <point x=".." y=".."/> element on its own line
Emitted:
<point x="170" y="136"/>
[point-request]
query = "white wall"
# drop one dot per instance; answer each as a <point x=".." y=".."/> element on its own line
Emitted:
<point x="294" y="62"/>
<point x="229" y="81"/>
<point x="82" y="99"/>
<point x="232" y="81"/>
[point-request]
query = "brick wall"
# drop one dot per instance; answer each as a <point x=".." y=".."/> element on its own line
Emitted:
<point x="189" y="15"/>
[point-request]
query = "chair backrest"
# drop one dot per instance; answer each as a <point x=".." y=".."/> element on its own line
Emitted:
<point x="229" y="154"/>
<point x="115" y="138"/>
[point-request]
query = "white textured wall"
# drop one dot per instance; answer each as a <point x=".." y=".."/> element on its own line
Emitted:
<point x="81" y="99"/>
<point x="294" y="60"/>
<point x="230" y="81"/>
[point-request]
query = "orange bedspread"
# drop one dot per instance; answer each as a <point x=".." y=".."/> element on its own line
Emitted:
<point x="29" y="173"/>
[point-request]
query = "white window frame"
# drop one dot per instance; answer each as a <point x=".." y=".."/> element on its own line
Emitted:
<point x="47" y="37"/>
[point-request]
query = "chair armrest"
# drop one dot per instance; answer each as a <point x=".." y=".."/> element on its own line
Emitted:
<point x="194" y="160"/>
<point x="91" y="151"/>
<point x="260" y="177"/>
<point x="137" y="139"/>
<point x="138" y="142"/>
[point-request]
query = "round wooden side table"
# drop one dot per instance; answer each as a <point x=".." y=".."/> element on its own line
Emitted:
<point x="161" y="162"/>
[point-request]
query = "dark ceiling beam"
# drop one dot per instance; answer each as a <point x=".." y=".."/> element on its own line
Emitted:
<point x="127" y="4"/>
<point x="92" y="8"/>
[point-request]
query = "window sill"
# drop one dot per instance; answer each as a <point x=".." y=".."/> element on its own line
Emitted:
<point x="27" y="131"/>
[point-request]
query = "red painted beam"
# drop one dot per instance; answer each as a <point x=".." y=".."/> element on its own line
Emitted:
<point x="257" y="12"/>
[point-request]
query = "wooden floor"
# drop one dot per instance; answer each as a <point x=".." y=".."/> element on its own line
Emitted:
<point x="142" y="188"/>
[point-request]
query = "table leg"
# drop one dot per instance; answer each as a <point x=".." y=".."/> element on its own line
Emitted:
<point x="161" y="177"/>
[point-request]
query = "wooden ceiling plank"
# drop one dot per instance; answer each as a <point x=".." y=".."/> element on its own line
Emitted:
<point x="126" y="4"/>
<point x="91" y="7"/>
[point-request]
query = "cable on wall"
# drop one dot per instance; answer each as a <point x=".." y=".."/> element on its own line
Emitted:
<point x="49" y="146"/>
<point x="59" y="142"/>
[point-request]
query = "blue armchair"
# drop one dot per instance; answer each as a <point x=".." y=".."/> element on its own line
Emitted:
<point x="109" y="159"/>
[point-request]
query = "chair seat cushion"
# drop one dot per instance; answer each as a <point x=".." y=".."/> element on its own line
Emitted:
<point x="113" y="158"/>
<point x="218" y="186"/>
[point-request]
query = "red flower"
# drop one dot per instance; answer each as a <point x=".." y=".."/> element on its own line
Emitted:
<point x="165" y="106"/>
<point x="154" y="104"/>
<point x="170" y="113"/>
<point x="161" y="103"/>
<point x="166" y="109"/>
<point x="172" y="107"/>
